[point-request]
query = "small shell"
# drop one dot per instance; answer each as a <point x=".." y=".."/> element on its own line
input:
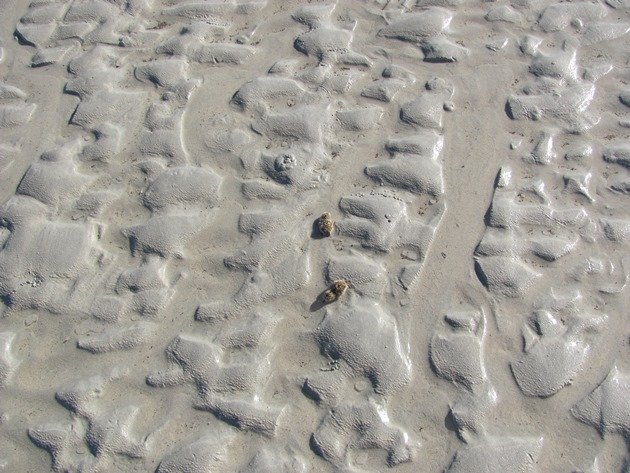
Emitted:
<point x="325" y="224"/>
<point x="335" y="291"/>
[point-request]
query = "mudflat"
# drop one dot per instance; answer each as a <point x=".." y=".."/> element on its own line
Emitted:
<point x="264" y="236"/>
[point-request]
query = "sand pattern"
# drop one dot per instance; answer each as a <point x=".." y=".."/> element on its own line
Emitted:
<point x="282" y="236"/>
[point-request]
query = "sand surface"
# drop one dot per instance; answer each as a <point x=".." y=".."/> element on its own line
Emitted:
<point x="171" y="300"/>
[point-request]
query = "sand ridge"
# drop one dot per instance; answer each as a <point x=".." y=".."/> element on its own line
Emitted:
<point x="163" y="271"/>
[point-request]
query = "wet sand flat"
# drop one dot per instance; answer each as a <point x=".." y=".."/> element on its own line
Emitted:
<point x="264" y="236"/>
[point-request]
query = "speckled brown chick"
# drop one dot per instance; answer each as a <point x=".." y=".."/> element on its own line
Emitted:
<point x="335" y="291"/>
<point x="325" y="224"/>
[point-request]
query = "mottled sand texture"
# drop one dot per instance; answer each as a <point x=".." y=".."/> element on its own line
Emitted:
<point x="272" y="236"/>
